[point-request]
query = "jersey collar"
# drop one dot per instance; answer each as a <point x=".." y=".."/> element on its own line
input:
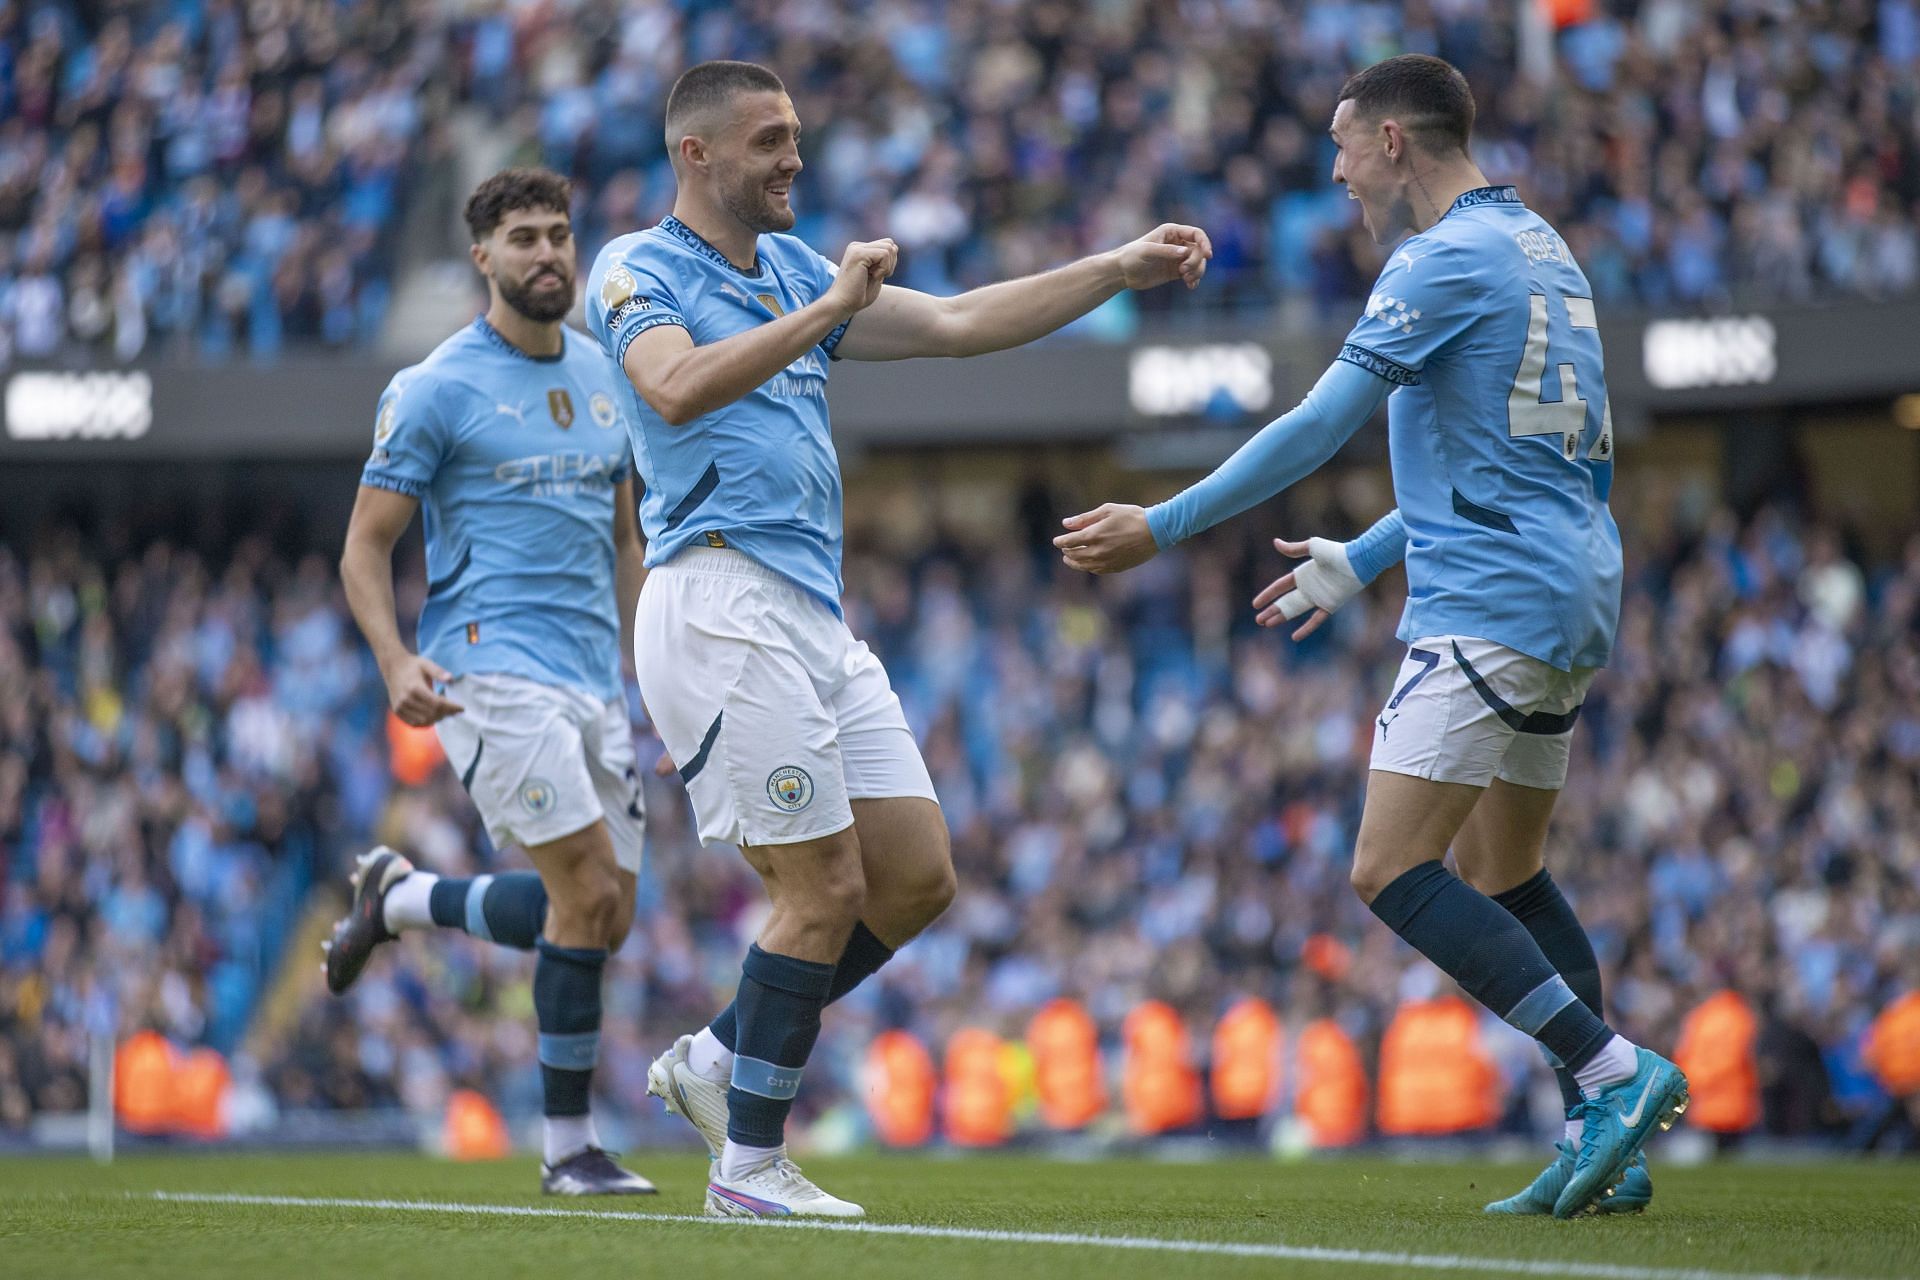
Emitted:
<point x="698" y="243"/>
<point x="1483" y="195"/>
<point x="499" y="340"/>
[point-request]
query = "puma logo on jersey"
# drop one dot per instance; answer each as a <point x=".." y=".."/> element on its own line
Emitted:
<point x="518" y="412"/>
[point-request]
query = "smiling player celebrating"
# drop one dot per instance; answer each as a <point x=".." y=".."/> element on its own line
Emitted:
<point x="788" y="734"/>
<point x="1480" y="334"/>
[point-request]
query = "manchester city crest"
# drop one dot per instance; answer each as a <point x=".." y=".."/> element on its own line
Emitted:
<point x="538" y="797"/>
<point x="790" y="788"/>
<point x="600" y="405"/>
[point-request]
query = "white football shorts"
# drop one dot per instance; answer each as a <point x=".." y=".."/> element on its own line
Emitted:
<point x="1468" y="710"/>
<point x="542" y="761"/>
<point x="777" y="717"/>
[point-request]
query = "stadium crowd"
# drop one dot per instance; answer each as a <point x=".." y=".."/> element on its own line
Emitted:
<point x="213" y="177"/>
<point x="1149" y="798"/>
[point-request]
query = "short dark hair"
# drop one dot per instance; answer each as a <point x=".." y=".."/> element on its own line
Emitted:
<point x="711" y="84"/>
<point x="1427" y="96"/>
<point x="512" y="190"/>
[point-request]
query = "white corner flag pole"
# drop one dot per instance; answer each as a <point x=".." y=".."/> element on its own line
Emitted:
<point x="100" y="1096"/>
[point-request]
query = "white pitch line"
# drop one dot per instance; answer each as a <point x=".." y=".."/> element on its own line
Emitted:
<point x="1149" y="1244"/>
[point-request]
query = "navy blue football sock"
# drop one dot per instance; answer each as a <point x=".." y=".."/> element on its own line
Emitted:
<point x="778" y="1011"/>
<point x="860" y="959"/>
<point x="510" y="908"/>
<point x="1491" y="955"/>
<point x="566" y="1004"/>
<point x="1544" y="910"/>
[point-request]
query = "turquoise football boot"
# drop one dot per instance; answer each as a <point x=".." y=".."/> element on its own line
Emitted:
<point x="1617" y="1124"/>
<point x="1633" y="1194"/>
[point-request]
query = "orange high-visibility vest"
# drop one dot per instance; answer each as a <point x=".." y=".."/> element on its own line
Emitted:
<point x="900" y="1089"/>
<point x="1326" y="956"/>
<point x="1158" y="1083"/>
<point x="977" y="1104"/>
<point x="1434" y="1075"/>
<point x="412" y="753"/>
<point x="1893" y="1046"/>
<point x="200" y="1087"/>
<point x="1066" y="1060"/>
<point x="1716" y="1050"/>
<point x="1330" y="1096"/>
<point x="1567" y="13"/>
<point x="1246" y="1060"/>
<point x="143" y="1072"/>
<point x="475" y="1130"/>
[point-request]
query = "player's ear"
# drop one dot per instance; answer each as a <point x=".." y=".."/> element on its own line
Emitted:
<point x="478" y="252"/>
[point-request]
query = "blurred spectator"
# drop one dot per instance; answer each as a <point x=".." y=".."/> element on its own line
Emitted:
<point x="1149" y="798"/>
<point x="219" y="178"/>
<point x="203" y="178"/>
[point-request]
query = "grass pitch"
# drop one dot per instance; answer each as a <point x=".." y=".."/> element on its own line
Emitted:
<point x="990" y="1216"/>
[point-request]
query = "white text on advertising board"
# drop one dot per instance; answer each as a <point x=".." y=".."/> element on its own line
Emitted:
<point x="79" y="406"/>
<point x="1732" y="351"/>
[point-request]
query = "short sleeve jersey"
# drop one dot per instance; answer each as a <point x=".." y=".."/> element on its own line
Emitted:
<point x="1500" y="434"/>
<point x="514" y="459"/>
<point x="760" y="474"/>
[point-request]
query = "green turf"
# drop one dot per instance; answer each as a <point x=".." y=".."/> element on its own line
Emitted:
<point x="65" y="1217"/>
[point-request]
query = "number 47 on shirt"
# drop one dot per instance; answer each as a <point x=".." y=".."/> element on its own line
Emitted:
<point x="1529" y="413"/>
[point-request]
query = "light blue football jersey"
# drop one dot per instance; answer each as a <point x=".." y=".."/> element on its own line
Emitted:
<point x="1499" y="432"/>
<point x="760" y="474"/>
<point x="514" y="459"/>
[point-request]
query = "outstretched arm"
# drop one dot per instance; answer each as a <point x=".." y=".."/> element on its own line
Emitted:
<point x="1117" y="537"/>
<point x="904" y="323"/>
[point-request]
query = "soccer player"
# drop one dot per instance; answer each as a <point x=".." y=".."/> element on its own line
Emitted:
<point x="788" y="735"/>
<point x="1480" y="335"/>
<point x="513" y="436"/>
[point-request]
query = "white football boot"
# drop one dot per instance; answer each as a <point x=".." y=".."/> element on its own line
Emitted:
<point x="777" y="1189"/>
<point x="690" y="1095"/>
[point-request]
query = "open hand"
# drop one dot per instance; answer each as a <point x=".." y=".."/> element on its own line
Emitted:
<point x="1324" y="583"/>
<point x="1109" y="539"/>
<point x="1169" y="252"/>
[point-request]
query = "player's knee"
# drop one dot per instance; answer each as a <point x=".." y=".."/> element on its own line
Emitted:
<point x="835" y="900"/>
<point x="1368" y="877"/>
<point x="622" y="922"/>
<point x="844" y="897"/>
<point x="584" y="907"/>
<point x="934" y="893"/>
<point x="602" y="900"/>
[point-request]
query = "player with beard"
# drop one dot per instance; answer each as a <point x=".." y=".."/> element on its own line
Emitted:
<point x="513" y="436"/>
<point x="788" y="734"/>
